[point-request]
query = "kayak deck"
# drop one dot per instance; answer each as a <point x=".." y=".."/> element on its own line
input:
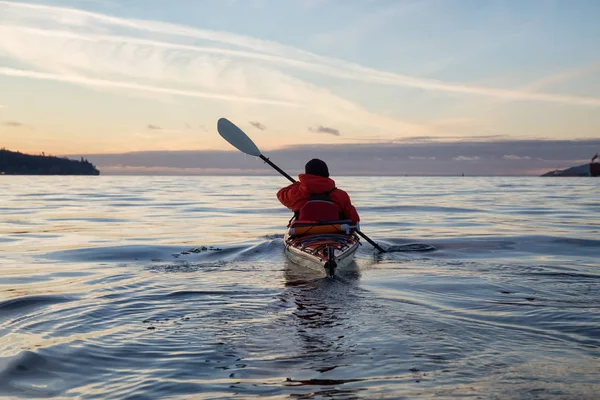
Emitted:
<point x="322" y="252"/>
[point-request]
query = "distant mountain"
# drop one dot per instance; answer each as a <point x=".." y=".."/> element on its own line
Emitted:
<point x="580" y="170"/>
<point x="15" y="163"/>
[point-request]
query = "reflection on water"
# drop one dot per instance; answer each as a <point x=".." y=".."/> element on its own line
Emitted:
<point x="127" y="287"/>
<point x="323" y="309"/>
<point x="322" y="321"/>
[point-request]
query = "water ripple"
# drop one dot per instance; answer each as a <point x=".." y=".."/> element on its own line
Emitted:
<point x="155" y="287"/>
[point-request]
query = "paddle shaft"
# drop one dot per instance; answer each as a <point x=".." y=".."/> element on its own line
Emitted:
<point x="265" y="159"/>
<point x="276" y="168"/>
<point x="378" y="247"/>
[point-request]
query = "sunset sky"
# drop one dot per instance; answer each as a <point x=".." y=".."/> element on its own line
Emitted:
<point x="102" y="77"/>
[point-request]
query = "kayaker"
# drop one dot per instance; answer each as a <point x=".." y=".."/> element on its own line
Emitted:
<point x="315" y="198"/>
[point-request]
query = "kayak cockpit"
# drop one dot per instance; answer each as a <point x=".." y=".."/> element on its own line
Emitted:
<point x="323" y="246"/>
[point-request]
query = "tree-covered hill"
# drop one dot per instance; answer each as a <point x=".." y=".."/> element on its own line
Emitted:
<point x="16" y="163"/>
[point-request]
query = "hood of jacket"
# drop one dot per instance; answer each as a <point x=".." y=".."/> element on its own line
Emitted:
<point x="315" y="184"/>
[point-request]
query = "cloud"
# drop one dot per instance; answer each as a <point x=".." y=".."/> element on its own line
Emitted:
<point x="466" y="158"/>
<point x="427" y="139"/>
<point x="154" y="127"/>
<point x="324" y="129"/>
<point x="169" y="171"/>
<point x="434" y="158"/>
<point x="14" y="124"/>
<point x="133" y="86"/>
<point x="87" y="48"/>
<point x="421" y="158"/>
<point x="513" y="157"/>
<point x="563" y="76"/>
<point x="349" y="35"/>
<point x="258" y="125"/>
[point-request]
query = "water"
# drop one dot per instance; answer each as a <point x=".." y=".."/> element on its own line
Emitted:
<point x="178" y="287"/>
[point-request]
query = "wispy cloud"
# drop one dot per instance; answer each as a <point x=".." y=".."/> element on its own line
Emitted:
<point x="421" y="158"/>
<point x="210" y="68"/>
<point x="81" y="52"/>
<point x="466" y="158"/>
<point x="133" y="86"/>
<point x="101" y="2"/>
<point x="447" y="138"/>
<point x="350" y="34"/>
<point x="513" y="157"/>
<point x="154" y="127"/>
<point x="564" y="76"/>
<point x="324" y="129"/>
<point x="14" y="124"/>
<point x="258" y="125"/>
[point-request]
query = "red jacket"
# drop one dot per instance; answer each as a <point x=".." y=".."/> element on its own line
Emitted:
<point x="297" y="194"/>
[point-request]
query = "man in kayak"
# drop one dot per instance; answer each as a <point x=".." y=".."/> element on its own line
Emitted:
<point x="315" y="197"/>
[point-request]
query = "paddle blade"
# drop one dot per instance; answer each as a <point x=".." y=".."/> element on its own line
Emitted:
<point x="236" y="137"/>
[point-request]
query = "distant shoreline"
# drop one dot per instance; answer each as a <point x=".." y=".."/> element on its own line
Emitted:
<point x="333" y="177"/>
<point x="579" y="171"/>
<point x="17" y="163"/>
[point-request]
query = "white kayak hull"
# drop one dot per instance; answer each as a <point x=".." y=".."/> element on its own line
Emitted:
<point x="316" y="259"/>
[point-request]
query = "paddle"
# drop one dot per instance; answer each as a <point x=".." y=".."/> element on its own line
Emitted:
<point x="238" y="139"/>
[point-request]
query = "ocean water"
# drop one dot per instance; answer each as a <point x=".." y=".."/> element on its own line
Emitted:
<point x="178" y="287"/>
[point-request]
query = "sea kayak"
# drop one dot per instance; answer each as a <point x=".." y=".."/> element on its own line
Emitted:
<point x="323" y="247"/>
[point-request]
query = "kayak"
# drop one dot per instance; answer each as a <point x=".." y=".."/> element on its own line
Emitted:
<point x="323" y="247"/>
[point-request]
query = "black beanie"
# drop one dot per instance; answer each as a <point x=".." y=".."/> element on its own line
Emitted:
<point x="317" y="167"/>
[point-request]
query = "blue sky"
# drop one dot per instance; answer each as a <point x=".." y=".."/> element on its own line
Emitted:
<point x="108" y="76"/>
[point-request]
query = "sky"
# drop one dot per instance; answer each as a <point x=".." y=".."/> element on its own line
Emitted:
<point x="400" y="87"/>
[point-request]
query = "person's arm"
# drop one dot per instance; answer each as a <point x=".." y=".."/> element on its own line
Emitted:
<point x="351" y="212"/>
<point x="288" y="195"/>
<point x="346" y="206"/>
